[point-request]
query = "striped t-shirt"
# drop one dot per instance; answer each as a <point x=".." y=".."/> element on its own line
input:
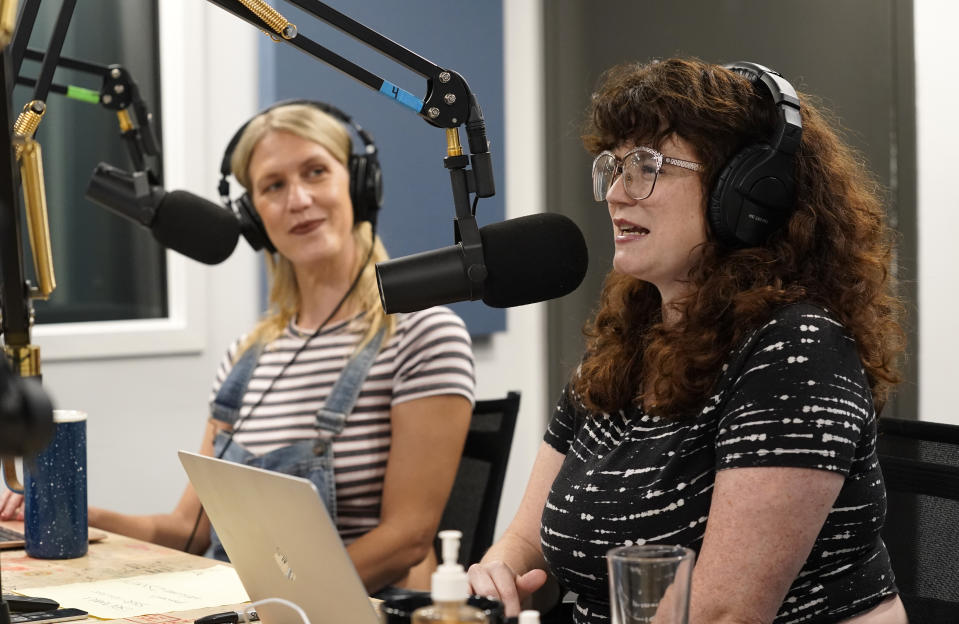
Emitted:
<point x="794" y="394"/>
<point x="428" y="355"/>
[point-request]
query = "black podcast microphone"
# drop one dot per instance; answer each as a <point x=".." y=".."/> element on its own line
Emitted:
<point x="195" y="227"/>
<point x="179" y="220"/>
<point x="528" y="259"/>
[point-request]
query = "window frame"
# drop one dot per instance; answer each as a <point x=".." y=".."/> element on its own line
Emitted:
<point x="198" y="45"/>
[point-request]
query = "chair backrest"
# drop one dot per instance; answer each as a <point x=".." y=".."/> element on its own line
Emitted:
<point x="474" y="500"/>
<point x="920" y="465"/>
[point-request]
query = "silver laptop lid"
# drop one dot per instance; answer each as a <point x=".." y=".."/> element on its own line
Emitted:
<point x="279" y="537"/>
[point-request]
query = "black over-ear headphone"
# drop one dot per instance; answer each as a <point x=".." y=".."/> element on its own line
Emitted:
<point x="366" y="181"/>
<point x="755" y="192"/>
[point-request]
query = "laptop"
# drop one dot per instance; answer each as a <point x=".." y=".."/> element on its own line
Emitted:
<point x="281" y="541"/>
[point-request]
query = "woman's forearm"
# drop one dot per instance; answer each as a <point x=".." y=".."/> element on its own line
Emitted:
<point x="384" y="556"/>
<point x="170" y="530"/>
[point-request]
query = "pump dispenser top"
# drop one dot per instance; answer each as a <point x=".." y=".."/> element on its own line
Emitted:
<point x="449" y="589"/>
<point x="449" y="581"/>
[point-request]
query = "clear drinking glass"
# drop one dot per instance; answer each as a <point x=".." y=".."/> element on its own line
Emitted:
<point x="649" y="584"/>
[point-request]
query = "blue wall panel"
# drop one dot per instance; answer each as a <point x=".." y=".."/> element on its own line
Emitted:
<point x="463" y="35"/>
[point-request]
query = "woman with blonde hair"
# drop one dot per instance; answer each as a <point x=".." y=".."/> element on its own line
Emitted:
<point x="374" y="409"/>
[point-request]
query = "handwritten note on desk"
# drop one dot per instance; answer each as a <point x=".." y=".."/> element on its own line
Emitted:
<point x="149" y="593"/>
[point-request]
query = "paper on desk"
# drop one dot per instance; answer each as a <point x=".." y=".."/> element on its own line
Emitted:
<point x="149" y="593"/>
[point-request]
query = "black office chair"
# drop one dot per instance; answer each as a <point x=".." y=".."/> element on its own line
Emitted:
<point x="474" y="500"/>
<point x="920" y="464"/>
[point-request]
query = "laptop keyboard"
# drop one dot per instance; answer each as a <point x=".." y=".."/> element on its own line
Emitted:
<point x="9" y="535"/>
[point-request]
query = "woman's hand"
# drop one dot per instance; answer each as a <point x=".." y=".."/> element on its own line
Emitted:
<point x="497" y="580"/>
<point x="519" y="545"/>
<point x="11" y="506"/>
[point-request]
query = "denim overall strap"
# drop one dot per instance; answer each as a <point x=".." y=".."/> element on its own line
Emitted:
<point x="332" y="416"/>
<point x="228" y="401"/>
<point x="309" y="459"/>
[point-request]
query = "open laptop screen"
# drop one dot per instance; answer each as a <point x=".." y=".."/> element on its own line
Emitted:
<point x="281" y="540"/>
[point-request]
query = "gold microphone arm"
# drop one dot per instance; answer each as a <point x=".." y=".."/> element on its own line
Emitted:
<point x="38" y="225"/>
<point x="34" y="196"/>
<point x="25" y="411"/>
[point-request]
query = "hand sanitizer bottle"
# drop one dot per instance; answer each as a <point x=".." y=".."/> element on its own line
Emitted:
<point x="449" y="590"/>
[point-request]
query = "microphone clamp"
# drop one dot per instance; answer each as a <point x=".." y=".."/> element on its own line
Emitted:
<point x="129" y="195"/>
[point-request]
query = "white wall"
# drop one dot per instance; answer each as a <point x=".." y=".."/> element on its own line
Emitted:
<point x="937" y="138"/>
<point x="516" y="359"/>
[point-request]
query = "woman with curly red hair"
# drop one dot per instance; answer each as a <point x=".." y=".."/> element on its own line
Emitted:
<point x="744" y="344"/>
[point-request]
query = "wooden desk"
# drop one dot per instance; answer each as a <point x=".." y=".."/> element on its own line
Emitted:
<point x="112" y="558"/>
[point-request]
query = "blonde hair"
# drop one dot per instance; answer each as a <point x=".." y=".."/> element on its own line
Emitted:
<point x="312" y="124"/>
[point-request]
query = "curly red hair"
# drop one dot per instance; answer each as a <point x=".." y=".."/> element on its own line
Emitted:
<point x="835" y="249"/>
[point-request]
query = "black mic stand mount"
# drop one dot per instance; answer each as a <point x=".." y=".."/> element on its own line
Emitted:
<point x="448" y="104"/>
<point x="118" y="92"/>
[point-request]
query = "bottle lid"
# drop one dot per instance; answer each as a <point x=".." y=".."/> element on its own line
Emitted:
<point x="529" y="616"/>
<point x="449" y="582"/>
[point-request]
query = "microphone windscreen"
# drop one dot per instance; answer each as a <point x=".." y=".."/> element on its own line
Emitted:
<point x="532" y="258"/>
<point x="195" y="227"/>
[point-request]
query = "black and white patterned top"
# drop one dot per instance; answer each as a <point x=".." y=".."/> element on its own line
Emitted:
<point x="794" y="394"/>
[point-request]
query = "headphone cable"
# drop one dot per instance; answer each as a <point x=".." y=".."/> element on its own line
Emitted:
<point x="316" y="332"/>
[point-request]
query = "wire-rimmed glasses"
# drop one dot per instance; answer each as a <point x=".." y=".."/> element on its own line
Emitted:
<point x="640" y="168"/>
